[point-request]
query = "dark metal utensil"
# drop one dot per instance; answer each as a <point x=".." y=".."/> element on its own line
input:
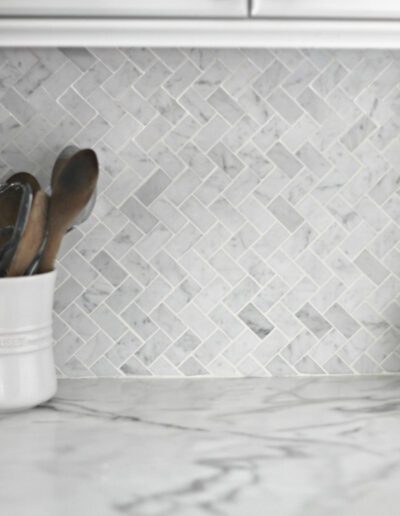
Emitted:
<point x="15" y="206"/>
<point x="25" y="178"/>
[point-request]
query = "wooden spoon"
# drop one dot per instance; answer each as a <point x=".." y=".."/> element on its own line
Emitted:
<point x="25" y="178"/>
<point x="61" y="161"/>
<point x="32" y="236"/>
<point x="72" y="190"/>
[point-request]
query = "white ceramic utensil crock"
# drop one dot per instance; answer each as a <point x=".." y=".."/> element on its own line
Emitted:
<point x="27" y="371"/>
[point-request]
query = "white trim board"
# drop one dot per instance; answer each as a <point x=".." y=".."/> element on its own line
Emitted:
<point x="41" y="32"/>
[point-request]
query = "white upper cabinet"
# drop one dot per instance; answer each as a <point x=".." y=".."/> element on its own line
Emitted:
<point x="357" y="9"/>
<point x="131" y="8"/>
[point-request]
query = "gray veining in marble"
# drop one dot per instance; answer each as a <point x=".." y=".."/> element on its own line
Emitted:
<point x="282" y="446"/>
<point x="248" y="198"/>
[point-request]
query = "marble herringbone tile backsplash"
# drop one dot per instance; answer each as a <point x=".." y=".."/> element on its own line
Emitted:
<point x="248" y="213"/>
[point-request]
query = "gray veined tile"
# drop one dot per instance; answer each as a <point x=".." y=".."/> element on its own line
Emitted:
<point x="211" y="347"/>
<point x="94" y="295"/>
<point x="151" y="242"/>
<point x="384" y="346"/>
<point x="196" y="160"/>
<point x="153" y="294"/>
<point x="227" y="214"/>
<point x="153" y="348"/>
<point x="139" y="215"/>
<point x="286" y="214"/>
<point x="284" y="320"/>
<point x="163" y="367"/>
<point x="211" y="79"/>
<point x="211" y="132"/>
<point x="199" y="323"/>
<point x="66" y="294"/>
<point x="256" y="268"/>
<point x="123" y="348"/>
<point x="137" y="106"/>
<point x="191" y="367"/>
<point x="313" y="160"/>
<point x="335" y="365"/>
<point x="357" y="134"/>
<point x="241" y="294"/>
<point x="270" y="347"/>
<point x="257" y="215"/>
<point x="84" y="85"/>
<point x="227" y="268"/>
<point x="81" y="323"/>
<point x="279" y="367"/>
<point x="77" y="106"/>
<point x="256" y="321"/>
<point x="183" y="241"/>
<point x="94" y="349"/>
<point x="271" y="78"/>
<point x="313" y="320"/>
<point x="243" y="184"/>
<point x="314" y="105"/>
<point x="153" y="187"/>
<point x="66" y="347"/>
<point x="182" y="348"/>
<point x="152" y="133"/>
<point x="121" y="80"/>
<point x="298" y="348"/>
<point x="181" y="79"/>
<point x="152" y="79"/>
<point x="139" y="321"/>
<point x="226" y="321"/>
<point x="168" y="268"/>
<point x="241" y="241"/>
<point x="228" y="177"/>
<point x="133" y="367"/>
<point x="284" y="105"/>
<point x="226" y="106"/>
<point x="212" y="294"/>
<point x="256" y="161"/>
<point x="226" y="160"/>
<point x="123" y="241"/>
<point x="138" y="267"/>
<point x="198" y="214"/>
<point x="371" y="267"/>
<point x="182" y="295"/>
<point x="342" y="320"/>
<point x="241" y="347"/>
<point x="167" y="106"/>
<point x="167" y="160"/>
<point x="109" y="268"/>
<point x="124" y="295"/>
<point x="109" y="322"/>
<point x="283" y="159"/>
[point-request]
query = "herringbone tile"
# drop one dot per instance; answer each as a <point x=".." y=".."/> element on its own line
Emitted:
<point x="248" y="213"/>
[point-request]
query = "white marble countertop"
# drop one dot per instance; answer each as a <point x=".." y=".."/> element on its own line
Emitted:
<point x="284" y="447"/>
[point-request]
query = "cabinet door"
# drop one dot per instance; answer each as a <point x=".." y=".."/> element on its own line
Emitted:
<point x="326" y="8"/>
<point x="132" y="8"/>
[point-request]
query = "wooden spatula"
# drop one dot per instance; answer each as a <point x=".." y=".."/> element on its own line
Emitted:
<point x="72" y="189"/>
<point x="32" y="236"/>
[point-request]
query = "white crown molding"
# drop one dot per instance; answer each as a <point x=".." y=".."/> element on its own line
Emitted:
<point x="24" y="32"/>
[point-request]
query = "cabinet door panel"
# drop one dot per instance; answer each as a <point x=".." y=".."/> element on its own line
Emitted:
<point x="133" y="8"/>
<point x="362" y="9"/>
